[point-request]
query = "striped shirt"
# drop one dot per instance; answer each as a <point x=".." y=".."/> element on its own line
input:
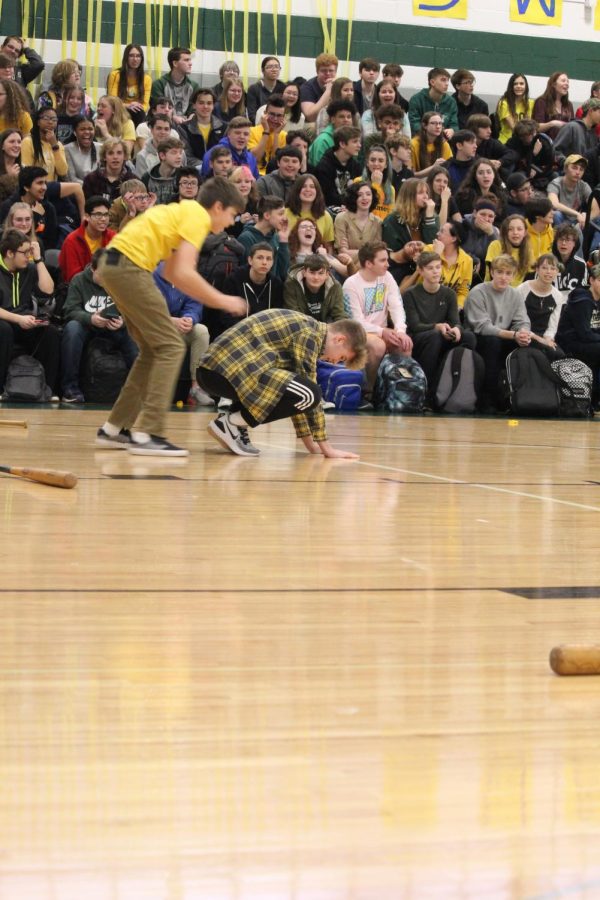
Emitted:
<point x="260" y="355"/>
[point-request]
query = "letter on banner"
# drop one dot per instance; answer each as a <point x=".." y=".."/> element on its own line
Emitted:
<point x="445" y="9"/>
<point x="536" y="12"/>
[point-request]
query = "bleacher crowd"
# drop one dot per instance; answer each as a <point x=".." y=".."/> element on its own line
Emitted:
<point x="433" y="221"/>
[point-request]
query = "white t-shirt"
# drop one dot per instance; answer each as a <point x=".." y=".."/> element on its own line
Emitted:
<point x="369" y="302"/>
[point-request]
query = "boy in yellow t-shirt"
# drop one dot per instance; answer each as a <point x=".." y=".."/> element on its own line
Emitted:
<point x="173" y="232"/>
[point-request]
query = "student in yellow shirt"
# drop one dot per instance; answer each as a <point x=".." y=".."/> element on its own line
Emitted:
<point x="267" y="137"/>
<point x="42" y="147"/>
<point x="131" y="84"/>
<point x="514" y="241"/>
<point x="13" y="107"/>
<point x="173" y="232"/>
<point x="513" y="106"/>
<point x="429" y="148"/>
<point x="539" y="214"/>
<point x="457" y="266"/>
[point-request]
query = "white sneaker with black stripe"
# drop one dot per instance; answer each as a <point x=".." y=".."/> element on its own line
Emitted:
<point x="120" y="441"/>
<point x="156" y="446"/>
<point x="232" y="437"/>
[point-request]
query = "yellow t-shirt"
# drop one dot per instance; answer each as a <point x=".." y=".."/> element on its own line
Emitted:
<point x="524" y="111"/>
<point x="205" y="132"/>
<point x="254" y="140"/>
<point x="494" y="250"/>
<point x="541" y="242"/>
<point x="414" y="150"/>
<point x="23" y="123"/>
<point x="324" y="223"/>
<point x="92" y="244"/>
<point x="112" y="88"/>
<point x="159" y="231"/>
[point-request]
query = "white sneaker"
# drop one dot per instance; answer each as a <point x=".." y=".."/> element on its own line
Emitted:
<point x="224" y="403"/>
<point x="231" y="436"/>
<point x="198" y="397"/>
<point x="155" y="446"/>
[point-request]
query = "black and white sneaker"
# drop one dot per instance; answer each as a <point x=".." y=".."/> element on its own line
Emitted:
<point x="231" y="436"/>
<point x="156" y="446"/>
<point x="120" y="441"/>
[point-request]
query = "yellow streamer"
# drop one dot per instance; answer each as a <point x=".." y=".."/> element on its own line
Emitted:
<point x="288" y="38"/>
<point x="117" y="41"/>
<point x="97" y="39"/>
<point x="327" y="47"/>
<point x="349" y="44"/>
<point x="179" y="41"/>
<point x="130" y="8"/>
<point x="275" y="25"/>
<point x="74" y="27"/>
<point x="161" y="11"/>
<point x="25" y="18"/>
<point x="258" y="26"/>
<point x="149" y="41"/>
<point x="194" y="34"/>
<point x="65" y="20"/>
<point x="245" y="44"/>
<point x="334" y="10"/>
<point x="89" y="44"/>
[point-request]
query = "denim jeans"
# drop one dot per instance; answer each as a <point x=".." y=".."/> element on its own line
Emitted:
<point x="74" y="338"/>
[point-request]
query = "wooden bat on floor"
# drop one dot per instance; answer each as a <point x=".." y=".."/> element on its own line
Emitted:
<point x="16" y="423"/>
<point x="43" y="476"/>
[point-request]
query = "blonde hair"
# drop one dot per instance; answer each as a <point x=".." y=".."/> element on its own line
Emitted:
<point x="504" y="263"/>
<point x="8" y="223"/>
<point x="120" y="116"/>
<point x="108" y="144"/>
<point x="406" y="201"/>
<point x="61" y="73"/>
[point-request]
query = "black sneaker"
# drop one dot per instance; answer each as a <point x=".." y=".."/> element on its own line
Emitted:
<point x="156" y="446"/>
<point x="231" y="436"/>
<point x="120" y="441"/>
<point x="73" y="396"/>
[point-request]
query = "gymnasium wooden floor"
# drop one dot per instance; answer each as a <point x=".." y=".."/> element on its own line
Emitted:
<point x="298" y="679"/>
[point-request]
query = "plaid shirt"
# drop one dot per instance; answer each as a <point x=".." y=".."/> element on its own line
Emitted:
<point x="259" y="356"/>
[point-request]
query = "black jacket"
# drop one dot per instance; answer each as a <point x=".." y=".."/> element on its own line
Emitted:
<point x="193" y="142"/>
<point x="258" y="297"/>
<point x="258" y="95"/>
<point x="334" y="176"/>
<point x="580" y="320"/>
<point x="17" y="289"/>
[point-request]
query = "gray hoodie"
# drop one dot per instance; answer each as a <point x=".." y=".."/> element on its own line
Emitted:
<point x="488" y="311"/>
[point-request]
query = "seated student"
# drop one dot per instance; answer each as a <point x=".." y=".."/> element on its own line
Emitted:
<point x="544" y="302"/>
<point x="305" y="240"/>
<point x="113" y="120"/>
<point x="281" y="182"/>
<point x="89" y="312"/>
<point x="514" y="241"/>
<point x="176" y="83"/>
<point x="42" y="148"/>
<point x="259" y="93"/>
<point x="187" y="184"/>
<point x="364" y="88"/>
<point x="464" y="147"/>
<point x="315" y="93"/>
<point x="311" y="290"/>
<point x="389" y="122"/>
<point x="482" y="180"/>
<point x="429" y="148"/>
<point x="579" y="136"/>
<point x="27" y="70"/>
<point x="400" y="153"/>
<point x="272" y="227"/>
<point x="251" y="364"/>
<point x="232" y="100"/>
<point x="236" y="140"/>
<point x="160" y="129"/>
<point x="378" y="173"/>
<point x="406" y="230"/>
<point x="69" y="113"/>
<point x="23" y="275"/>
<point x="573" y="270"/>
<point x="434" y="98"/>
<point x="93" y="234"/>
<point x="227" y="70"/>
<point x="531" y="154"/>
<point x="294" y="117"/>
<point x="569" y="194"/>
<point x="203" y="130"/>
<point x="539" y="216"/>
<point x="385" y="98"/>
<point x="467" y="103"/>
<point x="14" y="107"/>
<point x="478" y="233"/>
<point x="358" y="224"/>
<point x="302" y="139"/>
<point x="396" y="72"/>
<point x="10" y="162"/>
<point x="82" y="151"/>
<point x="341" y="89"/>
<point x="306" y="201"/>
<point x="370" y="296"/>
<point x="131" y="83"/>
<point x="487" y="146"/>
<point x="496" y="312"/>
<point x="221" y="163"/>
<point x="457" y="266"/>
<point x="513" y="106"/>
<point x="432" y="319"/>
<point x="520" y="192"/>
<point x="339" y="166"/>
<point x="245" y="182"/>
<point x="446" y="209"/>
<point x="341" y="115"/>
<point x="159" y="106"/>
<point x="160" y="180"/>
<point x="554" y="108"/>
<point x="186" y="315"/>
<point x="33" y="186"/>
<point x="578" y="331"/>
<point x="113" y="169"/>
<point x="134" y="199"/>
<point x="265" y="139"/>
<point x="255" y="283"/>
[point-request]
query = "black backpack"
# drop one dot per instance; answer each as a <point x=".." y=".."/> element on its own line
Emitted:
<point x="220" y="255"/>
<point x="459" y="381"/>
<point x="26" y="381"/>
<point x="400" y="386"/>
<point x="575" y="390"/>
<point x="532" y="386"/>
<point x="104" y="372"/>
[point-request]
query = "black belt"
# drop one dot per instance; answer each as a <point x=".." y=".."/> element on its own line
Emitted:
<point x="112" y="256"/>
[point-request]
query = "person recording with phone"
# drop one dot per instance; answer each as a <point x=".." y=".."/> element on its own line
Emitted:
<point x="89" y="312"/>
<point x="24" y="281"/>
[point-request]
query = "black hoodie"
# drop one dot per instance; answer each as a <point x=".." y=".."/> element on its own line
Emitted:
<point x="258" y="297"/>
<point x="580" y="320"/>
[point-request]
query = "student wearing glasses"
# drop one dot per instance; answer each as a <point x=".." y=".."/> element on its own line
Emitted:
<point x="467" y="103"/>
<point x="269" y="83"/>
<point x="265" y="139"/>
<point x="92" y="235"/>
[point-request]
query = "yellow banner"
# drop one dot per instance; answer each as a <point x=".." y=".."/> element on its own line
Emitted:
<point x="441" y="9"/>
<point x="597" y="16"/>
<point x="536" y="12"/>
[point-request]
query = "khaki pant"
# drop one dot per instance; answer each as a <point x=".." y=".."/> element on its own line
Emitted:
<point x="197" y="340"/>
<point x="148" y="392"/>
